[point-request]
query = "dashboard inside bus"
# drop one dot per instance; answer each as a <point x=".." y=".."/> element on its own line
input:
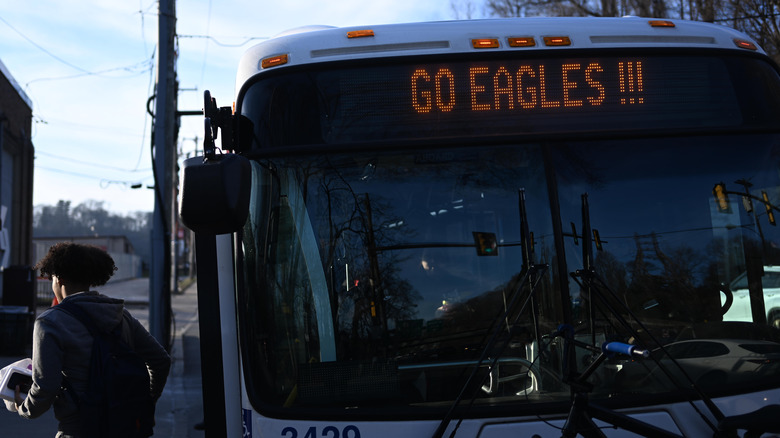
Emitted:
<point x="485" y="268"/>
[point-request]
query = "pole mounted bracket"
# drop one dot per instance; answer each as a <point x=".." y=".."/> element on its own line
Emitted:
<point x="217" y="118"/>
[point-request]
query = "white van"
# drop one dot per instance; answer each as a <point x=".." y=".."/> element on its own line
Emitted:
<point x="740" y="308"/>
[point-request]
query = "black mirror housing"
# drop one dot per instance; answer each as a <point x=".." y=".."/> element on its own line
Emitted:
<point x="215" y="193"/>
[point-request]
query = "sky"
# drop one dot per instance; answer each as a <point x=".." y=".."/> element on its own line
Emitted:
<point x="88" y="68"/>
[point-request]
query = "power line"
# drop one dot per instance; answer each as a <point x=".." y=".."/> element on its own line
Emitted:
<point x="124" y="131"/>
<point x="149" y="89"/>
<point x="66" y="172"/>
<point x="147" y="64"/>
<point x="84" y="72"/>
<point x="43" y="49"/>
<point x="217" y="42"/>
<point x="88" y="163"/>
<point x="106" y="183"/>
<point x="86" y="176"/>
<point x="206" y="48"/>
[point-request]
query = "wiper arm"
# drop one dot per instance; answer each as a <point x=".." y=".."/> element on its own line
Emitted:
<point x="587" y="261"/>
<point x="595" y="286"/>
<point x="532" y="274"/>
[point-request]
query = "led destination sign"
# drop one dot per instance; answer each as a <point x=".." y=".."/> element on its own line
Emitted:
<point x="340" y="103"/>
<point x="527" y="86"/>
<point x="515" y="96"/>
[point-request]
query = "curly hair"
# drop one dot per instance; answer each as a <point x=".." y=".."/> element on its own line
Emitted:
<point x="78" y="264"/>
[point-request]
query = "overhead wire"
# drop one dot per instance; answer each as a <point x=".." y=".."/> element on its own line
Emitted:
<point x="219" y="43"/>
<point x="206" y="46"/>
<point x="124" y="131"/>
<point x="88" y="163"/>
<point x="104" y="182"/>
<point x="147" y="65"/>
<point x="149" y="89"/>
<point x="142" y="12"/>
<point x="84" y="72"/>
<point x="42" y="49"/>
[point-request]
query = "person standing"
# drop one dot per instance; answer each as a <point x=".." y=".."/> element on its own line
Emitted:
<point x="62" y="345"/>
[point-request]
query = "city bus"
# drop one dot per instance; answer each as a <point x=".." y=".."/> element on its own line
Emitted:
<point x="508" y="227"/>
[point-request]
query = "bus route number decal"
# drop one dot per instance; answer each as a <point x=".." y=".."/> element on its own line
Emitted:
<point x="349" y="431"/>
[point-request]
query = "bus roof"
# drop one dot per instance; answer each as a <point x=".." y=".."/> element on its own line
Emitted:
<point x="321" y="43"/>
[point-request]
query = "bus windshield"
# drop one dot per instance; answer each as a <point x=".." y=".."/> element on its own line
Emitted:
<point x="378" y="279"/>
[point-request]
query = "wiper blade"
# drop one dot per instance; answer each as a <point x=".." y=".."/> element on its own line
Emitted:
<point x="533" y="273"/>
<point x="593" y="285"/>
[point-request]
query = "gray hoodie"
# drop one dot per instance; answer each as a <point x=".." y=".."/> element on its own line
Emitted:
<point x="62" y="347"/>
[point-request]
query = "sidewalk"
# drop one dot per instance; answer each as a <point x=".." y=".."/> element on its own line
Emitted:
<point x="181" y="404"/>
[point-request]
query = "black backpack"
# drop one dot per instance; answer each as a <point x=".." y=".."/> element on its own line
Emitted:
<point x="118" y="401"/>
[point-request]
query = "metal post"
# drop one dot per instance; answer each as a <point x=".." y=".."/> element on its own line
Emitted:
<point x="164" y="145"/>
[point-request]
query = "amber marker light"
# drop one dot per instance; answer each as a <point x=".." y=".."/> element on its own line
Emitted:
<point x="484" y="43"/>
<point x="661" y="23"/>
<point x="742" y="44"/>
<point x="360" y="33"/>
<point x="557" y="41"/>
<point x="521" y="42"/>
<point x="274" y="61"/>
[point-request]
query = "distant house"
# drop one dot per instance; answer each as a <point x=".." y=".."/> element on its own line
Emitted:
<point x="16" y="174"/>
<point x="120" y="248"/>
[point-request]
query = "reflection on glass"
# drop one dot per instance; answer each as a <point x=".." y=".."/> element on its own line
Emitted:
<point x="381" y="277"/>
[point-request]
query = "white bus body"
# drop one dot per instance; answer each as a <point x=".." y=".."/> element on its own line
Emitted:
<point x="436" y="229"/>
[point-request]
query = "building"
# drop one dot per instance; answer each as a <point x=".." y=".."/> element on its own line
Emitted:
<point x="119" y="247"/>
<point x="129" y="265"/>
<point x="16" y="174"/>
<point x="16" y="211"/>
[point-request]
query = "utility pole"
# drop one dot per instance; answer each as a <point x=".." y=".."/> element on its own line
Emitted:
<point x="164" y="138"/>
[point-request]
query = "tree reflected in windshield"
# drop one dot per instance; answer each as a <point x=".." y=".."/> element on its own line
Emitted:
<point x="396" y="269"/>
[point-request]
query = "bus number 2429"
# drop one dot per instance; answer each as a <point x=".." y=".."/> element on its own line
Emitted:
<point x="327" y="432"/>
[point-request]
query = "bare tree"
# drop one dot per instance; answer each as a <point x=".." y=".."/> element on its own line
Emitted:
<point x="463" y="9"/>
<point x="507" y="8"/>
<point x="757" y="18"/>
<point x="579" y="8"/>
<point x="649" y="8"/>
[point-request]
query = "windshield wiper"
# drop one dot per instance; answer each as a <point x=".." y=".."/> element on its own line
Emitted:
<point x="593" y="286"/>
<point x="532" y="274"/>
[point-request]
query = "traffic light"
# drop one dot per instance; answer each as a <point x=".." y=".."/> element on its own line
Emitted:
<point x="486" y="243"/>
<point x="721" y="200"/>
<point x="769" y="214"/>
<point x="574" y="233"/>
<point x="597" y="240"/>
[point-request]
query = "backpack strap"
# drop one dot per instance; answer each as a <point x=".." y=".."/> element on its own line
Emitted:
<point x="75" y="311"/>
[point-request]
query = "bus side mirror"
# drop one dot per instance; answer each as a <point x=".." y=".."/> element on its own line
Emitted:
<point x="215" y="193"/>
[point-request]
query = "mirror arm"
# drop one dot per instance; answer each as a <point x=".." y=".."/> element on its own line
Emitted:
<point x="216" y="118"/>
<point x="209" y="148"/>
